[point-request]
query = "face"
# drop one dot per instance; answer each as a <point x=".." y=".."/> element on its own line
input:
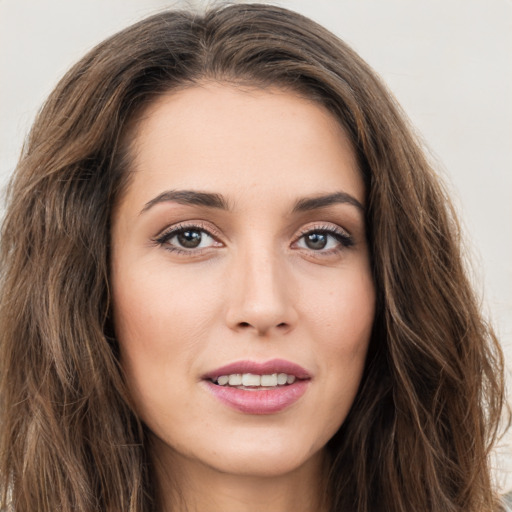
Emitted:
<point x="242" y="290"/>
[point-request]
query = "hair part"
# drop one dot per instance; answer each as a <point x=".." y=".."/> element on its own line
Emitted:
<point x="419" y="433"/>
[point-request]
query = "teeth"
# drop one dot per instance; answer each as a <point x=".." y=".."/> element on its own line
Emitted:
<point x="248" y="379"/>
<point x="269" y="380"/>
<point x="223" y="380"/>
<point x="282" y="378"/>
<point x="235" y="379"/>
<point x="252" y="380"/>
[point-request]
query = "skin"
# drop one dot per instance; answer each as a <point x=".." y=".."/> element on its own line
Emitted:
<point x="254" y="289"/>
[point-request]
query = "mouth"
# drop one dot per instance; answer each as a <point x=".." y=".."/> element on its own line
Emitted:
<point x="258" y="388"/>
<point x="254" y="382"/>
<point x="253" y="374"/>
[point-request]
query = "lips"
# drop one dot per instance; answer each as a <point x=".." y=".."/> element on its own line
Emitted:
<point x="258" y="388"/>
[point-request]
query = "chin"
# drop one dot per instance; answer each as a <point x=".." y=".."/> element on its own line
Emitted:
<point x="259" y="458"/>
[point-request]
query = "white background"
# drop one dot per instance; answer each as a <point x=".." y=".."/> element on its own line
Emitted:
<point x="449" y="63"/>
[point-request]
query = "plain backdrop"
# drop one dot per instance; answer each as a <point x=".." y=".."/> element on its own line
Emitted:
<point x="448" y="62"/>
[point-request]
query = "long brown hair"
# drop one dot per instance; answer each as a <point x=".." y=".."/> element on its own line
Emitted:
<point x="419" y="433"/>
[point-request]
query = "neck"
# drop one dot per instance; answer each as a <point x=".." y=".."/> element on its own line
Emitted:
<point x="189" y="486"/>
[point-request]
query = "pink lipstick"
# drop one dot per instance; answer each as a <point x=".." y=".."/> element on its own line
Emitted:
<point x="258" y="388"/>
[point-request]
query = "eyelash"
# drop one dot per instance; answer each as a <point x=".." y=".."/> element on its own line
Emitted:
<point x="164" y="238"/>
<point x="341" y="236"/>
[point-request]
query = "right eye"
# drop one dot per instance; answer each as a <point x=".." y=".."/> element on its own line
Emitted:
<point x="187" y="239"/>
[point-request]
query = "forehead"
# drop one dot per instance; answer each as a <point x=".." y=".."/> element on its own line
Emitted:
<point x="219" y="137"/>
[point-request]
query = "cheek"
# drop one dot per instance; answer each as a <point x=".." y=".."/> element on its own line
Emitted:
<point x="343" y="310"/>
<point x="341" y="325"/>
<point x="154" y="306"/>
<point x="160" y="321"/>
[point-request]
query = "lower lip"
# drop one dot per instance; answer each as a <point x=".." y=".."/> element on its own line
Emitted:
<point x="266" y="401"/>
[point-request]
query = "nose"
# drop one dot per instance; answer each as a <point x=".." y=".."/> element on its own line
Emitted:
<point x="260" y="295"/>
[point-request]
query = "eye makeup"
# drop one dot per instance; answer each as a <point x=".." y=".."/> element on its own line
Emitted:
<point x="194" y="238"/>
<point x="325" y="239"/>
<point x="188" y="238"/>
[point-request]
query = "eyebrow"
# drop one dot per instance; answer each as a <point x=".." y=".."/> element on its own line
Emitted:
<point x="189" y="197"/>
<point x="323" y="201"/>
<point x="217" y="201"/>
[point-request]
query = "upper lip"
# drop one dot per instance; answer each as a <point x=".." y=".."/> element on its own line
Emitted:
<point x="260" y="368"/>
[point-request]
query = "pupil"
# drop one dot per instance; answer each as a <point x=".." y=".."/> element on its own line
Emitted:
<point x="189" y="239"/>
<point x="316" y="240"/>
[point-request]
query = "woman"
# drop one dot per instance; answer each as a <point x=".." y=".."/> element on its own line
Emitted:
<point x="231" y="281"/>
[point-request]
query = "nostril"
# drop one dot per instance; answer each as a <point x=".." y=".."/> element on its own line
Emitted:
<point x="248" y="325"/>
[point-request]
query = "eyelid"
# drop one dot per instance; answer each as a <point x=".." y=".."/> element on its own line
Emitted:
<point x="345" y="239"/>
<point x="170" y="231"/>
<point x="327" y="227"/>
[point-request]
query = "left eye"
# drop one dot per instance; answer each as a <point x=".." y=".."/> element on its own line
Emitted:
<point x="323" y="240"/>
